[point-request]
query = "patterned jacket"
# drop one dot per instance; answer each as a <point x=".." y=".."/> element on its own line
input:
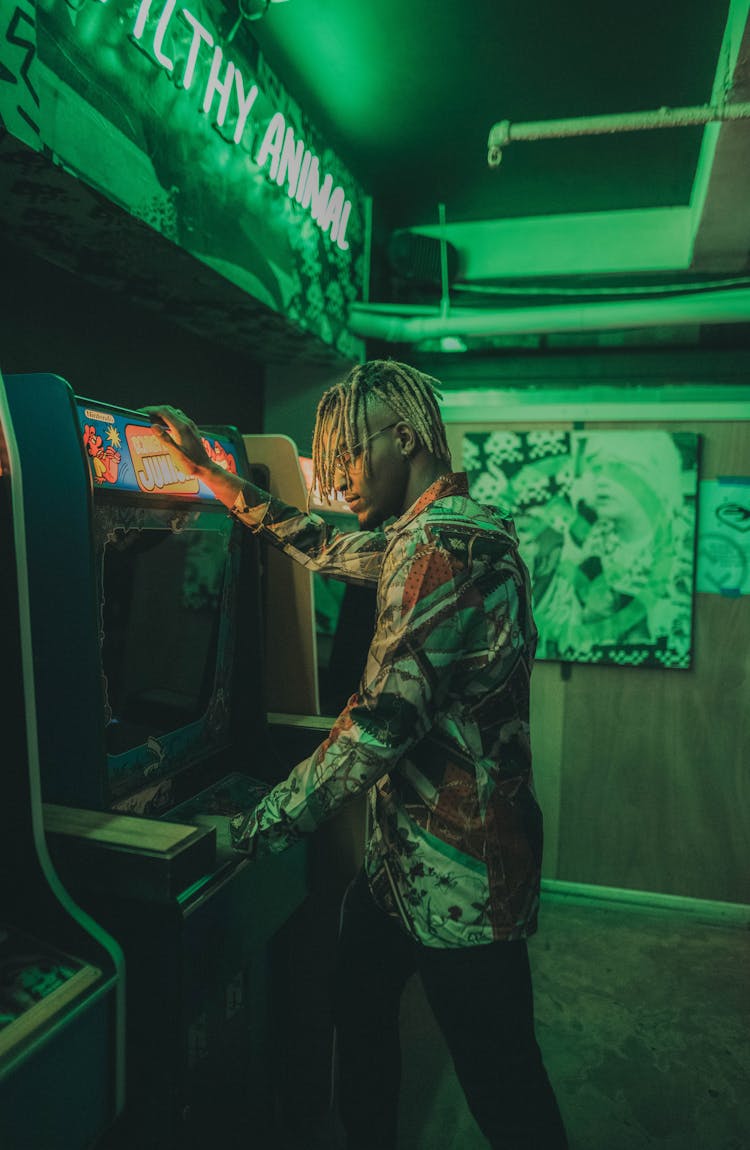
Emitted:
<point x="438" y="731"/>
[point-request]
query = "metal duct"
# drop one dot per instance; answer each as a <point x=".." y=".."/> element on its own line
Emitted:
<point x="375" y="322"/>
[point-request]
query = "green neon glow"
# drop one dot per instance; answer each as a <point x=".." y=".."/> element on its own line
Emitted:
<point x="634" y="404"/>
<point x="191" y="891"/>
<point x="657" y="239"/>
<point x="284" y="156"/>
<point x="452" y="343"/>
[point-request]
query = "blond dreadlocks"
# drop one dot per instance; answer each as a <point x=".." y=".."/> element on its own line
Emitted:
<point x="341" y="419"/>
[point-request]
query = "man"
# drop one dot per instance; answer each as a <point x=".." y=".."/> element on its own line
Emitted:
<point x="438" y="733"/>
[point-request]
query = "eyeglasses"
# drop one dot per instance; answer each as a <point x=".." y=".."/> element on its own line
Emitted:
<point x="344" y="459"/>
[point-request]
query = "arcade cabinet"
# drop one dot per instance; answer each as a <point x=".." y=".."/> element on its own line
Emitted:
<point x="144" y="599"/>
<point x="61" y="976"/>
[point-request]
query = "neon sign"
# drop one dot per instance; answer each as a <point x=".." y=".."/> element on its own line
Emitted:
<point x="288" y="160"/>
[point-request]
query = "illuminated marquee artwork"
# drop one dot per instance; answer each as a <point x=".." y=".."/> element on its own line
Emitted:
<point x="153" y="466"/>
<point x="158" y="106"/>
<point x="127" y="456"/>
<point x="606" y="524"/>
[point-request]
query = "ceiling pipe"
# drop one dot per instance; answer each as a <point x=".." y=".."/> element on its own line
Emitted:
<point x="504" y="132"/>
<point x="373" y="322"/>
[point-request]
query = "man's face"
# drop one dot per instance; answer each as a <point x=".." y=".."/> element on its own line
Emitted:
<point x="380" y="494"/>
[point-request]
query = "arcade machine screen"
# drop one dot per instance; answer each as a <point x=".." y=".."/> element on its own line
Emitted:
<point x="161" y="606"/>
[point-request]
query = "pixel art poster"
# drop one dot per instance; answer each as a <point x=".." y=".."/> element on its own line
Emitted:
<point x="606" y="524"/>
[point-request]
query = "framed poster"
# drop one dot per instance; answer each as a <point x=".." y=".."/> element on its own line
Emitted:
<point x="606" y="523"/>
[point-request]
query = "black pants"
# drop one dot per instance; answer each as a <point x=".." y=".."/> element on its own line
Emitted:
<point x="481" y="998"/>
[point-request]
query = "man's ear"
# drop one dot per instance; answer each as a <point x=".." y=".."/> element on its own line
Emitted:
<point x="407" y="438"/>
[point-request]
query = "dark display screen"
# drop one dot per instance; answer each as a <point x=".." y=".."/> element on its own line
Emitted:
<point x="161" y="614"/>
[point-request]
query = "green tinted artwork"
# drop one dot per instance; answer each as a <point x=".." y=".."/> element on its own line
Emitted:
<point x="724" y="537"/>
<point x="606" y="523"/>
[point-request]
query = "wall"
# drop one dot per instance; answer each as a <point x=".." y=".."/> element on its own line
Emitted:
<point x="292" y="393"/>
<point x="642" y="773"/>
<point x="109" y="348"/>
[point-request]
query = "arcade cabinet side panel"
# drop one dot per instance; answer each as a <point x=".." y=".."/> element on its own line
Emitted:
<point x="291" y="654"/>
<point x="62" y="589"/>
<point x="61" y="1041"/>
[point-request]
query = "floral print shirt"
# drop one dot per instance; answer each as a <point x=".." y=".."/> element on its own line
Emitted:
<point x="438" y="731"/>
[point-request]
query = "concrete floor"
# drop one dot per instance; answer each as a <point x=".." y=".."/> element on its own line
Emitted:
<point x="643" y="1016"/>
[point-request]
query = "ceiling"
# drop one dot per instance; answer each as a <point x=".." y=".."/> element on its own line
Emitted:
<point x="407" y="93"/>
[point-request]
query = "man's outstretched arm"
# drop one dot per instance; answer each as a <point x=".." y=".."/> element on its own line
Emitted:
<point x="354" y="557"/>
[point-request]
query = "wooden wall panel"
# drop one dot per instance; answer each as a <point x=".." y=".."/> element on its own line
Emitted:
<point x="547" y="734"/>
<point x="290" y="657"/>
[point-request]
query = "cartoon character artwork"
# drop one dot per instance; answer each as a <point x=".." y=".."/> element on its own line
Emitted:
<point x="219" y="455"/>
<point x="105" y="461"/>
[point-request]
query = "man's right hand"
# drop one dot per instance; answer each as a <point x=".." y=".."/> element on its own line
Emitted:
<point x="181" y="437"/>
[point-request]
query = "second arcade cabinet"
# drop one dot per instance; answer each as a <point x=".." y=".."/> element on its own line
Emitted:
<point x="61" y="976"/>
<point x="147" y="636"/>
